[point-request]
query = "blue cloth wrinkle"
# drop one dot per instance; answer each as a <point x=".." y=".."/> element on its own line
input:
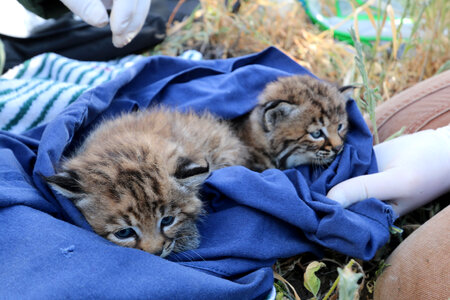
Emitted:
<point x="252" y="218"/>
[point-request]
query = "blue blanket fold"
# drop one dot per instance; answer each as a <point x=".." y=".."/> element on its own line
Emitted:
<point x="48" y="250"/>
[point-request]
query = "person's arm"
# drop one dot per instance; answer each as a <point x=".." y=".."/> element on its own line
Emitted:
<point x="414" y="170"/>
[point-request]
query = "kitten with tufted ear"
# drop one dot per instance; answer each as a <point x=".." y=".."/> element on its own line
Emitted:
<point x="299" y="120"/>
<point x="67" y="183"/>
<point x="190" y="173"/>
<point x="275" y="111"/>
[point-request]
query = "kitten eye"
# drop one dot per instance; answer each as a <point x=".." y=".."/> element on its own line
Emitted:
<point x="125" y="233"/>
<point x="339" y="127"/>
<point x="166" y="221"/>
<point x="316" y="134"/>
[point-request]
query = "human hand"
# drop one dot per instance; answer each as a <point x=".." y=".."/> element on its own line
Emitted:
<point x="127" y="16"/>
<point x="414" y="169"/>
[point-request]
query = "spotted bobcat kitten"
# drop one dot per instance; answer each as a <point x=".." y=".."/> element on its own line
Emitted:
<point x="136" y="178"/>
<point x="298" y="120"/>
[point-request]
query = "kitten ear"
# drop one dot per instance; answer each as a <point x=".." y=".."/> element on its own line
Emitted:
<point x="67" y="183"/>
<point x="347" y="91"/>
<point x="190" y="173"/>
<point x="274" y="112"/>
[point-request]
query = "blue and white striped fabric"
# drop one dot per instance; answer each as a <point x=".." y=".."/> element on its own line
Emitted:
<point x="34" y="92"/>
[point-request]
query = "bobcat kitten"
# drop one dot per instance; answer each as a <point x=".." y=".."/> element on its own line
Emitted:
<point x="136" y="178"/>
<point x="298" y="120"/>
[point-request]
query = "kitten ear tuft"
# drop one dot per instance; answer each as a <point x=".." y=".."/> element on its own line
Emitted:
<point x="190" y="173"/>
<point x="274" y="112"/>
<point x="67" y="183"/>
<point x="347" y="91"/>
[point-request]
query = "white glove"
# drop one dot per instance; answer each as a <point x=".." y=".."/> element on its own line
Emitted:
<point x="127" y="16"/>
<point x="414" y="169"/>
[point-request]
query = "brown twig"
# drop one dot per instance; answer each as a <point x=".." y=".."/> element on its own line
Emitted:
<point x="174" y="12"/>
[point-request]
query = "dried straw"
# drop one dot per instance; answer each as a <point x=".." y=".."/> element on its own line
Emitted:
<point x="218" y="33"/>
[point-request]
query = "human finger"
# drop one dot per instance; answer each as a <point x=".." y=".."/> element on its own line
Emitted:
<point x="127" y="19"/>
<point x="387" y="185"/>
<point x="92" y="12"/>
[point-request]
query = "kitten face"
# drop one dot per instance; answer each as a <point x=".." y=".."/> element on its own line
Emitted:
<point x="136" y="178"/>
<point x="136" y="197"/>
<point x="304" y="121"/>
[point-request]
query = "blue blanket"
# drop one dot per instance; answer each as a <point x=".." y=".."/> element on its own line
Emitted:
<point x="48" y="250"/>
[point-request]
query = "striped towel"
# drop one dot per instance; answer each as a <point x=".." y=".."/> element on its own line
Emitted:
<point x="34" y="92"/>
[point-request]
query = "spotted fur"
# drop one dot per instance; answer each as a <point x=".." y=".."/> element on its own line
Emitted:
<point x="298" y="120"/>
<point x="136" y="178"/>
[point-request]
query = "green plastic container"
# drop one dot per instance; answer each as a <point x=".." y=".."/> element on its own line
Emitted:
<point x="366" y="30"/>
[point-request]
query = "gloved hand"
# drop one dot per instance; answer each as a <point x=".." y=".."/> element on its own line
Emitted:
<point x="127" y="16"/>
<point x="414" y="169"/>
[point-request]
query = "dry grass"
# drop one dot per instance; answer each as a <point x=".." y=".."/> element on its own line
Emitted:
<point x="220" y="31"/>
<point x="217" y="32"/>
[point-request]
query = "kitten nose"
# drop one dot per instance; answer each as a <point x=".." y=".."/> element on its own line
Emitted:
<point x="153" y="244"/>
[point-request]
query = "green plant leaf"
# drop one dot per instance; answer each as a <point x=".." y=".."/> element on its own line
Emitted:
<point x="394" y="229"/>
<point x="310" y="280"/>
<point x="348" y="283"/>
<point x="444" y="67"/>
<point x="371" y="95"/>
<point x="382" y="265"/>
<point x="279" y="292"/>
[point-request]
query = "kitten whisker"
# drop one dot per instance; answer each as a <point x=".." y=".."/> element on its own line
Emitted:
<point x="198" y="255"/>
<point x="188" y="257"/>
<point x="174" y="257"/>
